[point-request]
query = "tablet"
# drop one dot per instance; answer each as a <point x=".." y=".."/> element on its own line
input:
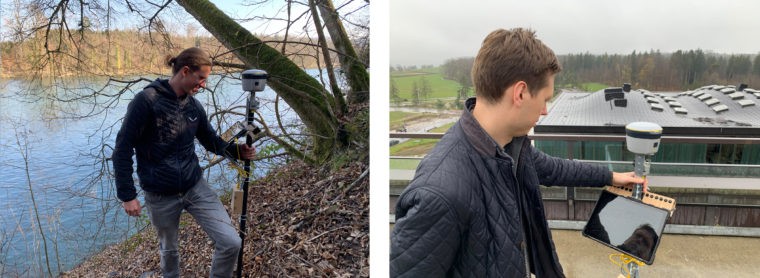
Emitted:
<point x="627" y="225"/>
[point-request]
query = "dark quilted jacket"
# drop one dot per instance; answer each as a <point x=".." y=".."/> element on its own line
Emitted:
<point x="161" y="128"/>
<point x="467" y="212"/>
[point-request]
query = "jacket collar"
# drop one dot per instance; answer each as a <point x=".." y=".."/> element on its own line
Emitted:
<point x="480" y="139"/>
<point x="476" y="135"/>
<point x="164" y="89"/>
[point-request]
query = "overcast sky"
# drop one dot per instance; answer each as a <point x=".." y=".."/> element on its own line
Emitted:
<point x="429" y="32"/>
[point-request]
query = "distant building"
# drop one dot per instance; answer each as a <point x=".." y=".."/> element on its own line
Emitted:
<point x="710" y="111"/>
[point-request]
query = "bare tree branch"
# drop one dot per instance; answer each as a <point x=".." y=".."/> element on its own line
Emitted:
<point x="339" y="103"/>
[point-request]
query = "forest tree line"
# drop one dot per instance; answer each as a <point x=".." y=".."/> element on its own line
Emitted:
<point x="652" y="70"/>
<point x="120" y="52"/>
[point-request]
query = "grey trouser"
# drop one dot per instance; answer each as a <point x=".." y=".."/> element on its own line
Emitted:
<point x="204" y="205"/>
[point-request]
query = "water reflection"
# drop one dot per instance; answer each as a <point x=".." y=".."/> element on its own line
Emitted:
<point x="69" y="125"/>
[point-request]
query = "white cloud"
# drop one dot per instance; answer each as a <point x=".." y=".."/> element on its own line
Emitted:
<point x="429" y="32"/>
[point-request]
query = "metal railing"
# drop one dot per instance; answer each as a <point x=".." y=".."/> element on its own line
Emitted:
<point x="603" y="138"/>
<point x="572" y="139"/>
<point x="680" y="174"/>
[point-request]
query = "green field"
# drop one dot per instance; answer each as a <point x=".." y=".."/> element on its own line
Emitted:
<point x="593" y="87"/>
<point x="415" y="72"/>
<point x="404" y="164"/>
<point x="442" y="88"/>
<point x="397" y="118"/>
<point x="443" y="128"/>
<point x="413" y="147"/>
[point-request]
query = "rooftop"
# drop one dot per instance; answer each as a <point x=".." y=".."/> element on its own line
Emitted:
<point x="709" y="111"/>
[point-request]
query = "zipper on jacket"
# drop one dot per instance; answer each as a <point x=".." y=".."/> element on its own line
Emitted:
<point x="176" y="155"/>
<point x="520" y="200"/>
<point x="524" y="243"/>
<point x="525" y="255"/>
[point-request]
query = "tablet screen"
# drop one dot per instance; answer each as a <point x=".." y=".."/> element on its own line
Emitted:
<point x="627" y="225"/>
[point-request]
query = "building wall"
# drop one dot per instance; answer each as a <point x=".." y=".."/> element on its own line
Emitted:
<point x="669" y="153"/>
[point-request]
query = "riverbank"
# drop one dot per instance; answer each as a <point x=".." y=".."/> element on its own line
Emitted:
<point x="31" y="75"/>
<point x="302" y="222"/>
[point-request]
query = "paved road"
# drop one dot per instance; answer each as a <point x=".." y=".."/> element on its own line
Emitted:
<point x="444" y="117"/>
<point x="677" y="256"/>
<point x="422" y="109"/>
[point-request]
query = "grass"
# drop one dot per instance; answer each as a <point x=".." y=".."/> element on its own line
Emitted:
<point x="415" y="72"/>
<point x="413" y="147"/>
<point x="404" y="164"/>
<point x="129" y="245"/>
<point x="398" y="118"/>
<point x="593" y="86"/>
<point x="442" y="88"/>
<point x="443" y="128"/>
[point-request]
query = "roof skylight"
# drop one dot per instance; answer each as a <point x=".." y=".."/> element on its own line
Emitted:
<point x="657" y="107"/>
<point x="720" y="108"/>
<point x="711" y="102"/>
<point x="746" y="102"/>
<point x="737" y="95"/>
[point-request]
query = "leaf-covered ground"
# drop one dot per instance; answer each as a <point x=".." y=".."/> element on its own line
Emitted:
<point x="302" y="223"/>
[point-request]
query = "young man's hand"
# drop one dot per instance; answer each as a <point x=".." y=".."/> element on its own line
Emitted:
<point x="247" y="152"/>
<point x="132" y="208"/>
<point x="628" y="180"/>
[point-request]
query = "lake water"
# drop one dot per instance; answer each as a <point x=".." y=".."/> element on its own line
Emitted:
<point x="72" y="185"/>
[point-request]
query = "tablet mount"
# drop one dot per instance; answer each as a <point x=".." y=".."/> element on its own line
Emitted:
<point x="643" y="140"/>
<point x="630" y="265"/>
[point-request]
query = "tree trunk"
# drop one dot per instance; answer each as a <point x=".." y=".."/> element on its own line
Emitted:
<point x="355" y="71"/>
<point x="340" y="102"/>
<point x="302" y="92"/>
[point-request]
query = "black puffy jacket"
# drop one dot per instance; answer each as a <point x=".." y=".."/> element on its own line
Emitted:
<point x="467" y="211"/>
<point x="162" y="128"/>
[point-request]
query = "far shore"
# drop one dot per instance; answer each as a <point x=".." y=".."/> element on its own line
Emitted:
<point x="164" y="73"/>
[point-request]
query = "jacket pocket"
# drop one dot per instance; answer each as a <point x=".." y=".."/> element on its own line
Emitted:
<point x="152" y="197"/>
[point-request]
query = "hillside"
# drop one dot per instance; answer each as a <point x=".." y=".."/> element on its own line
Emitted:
<point x="122" y="52"/>
<point x="302" y="222"/>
